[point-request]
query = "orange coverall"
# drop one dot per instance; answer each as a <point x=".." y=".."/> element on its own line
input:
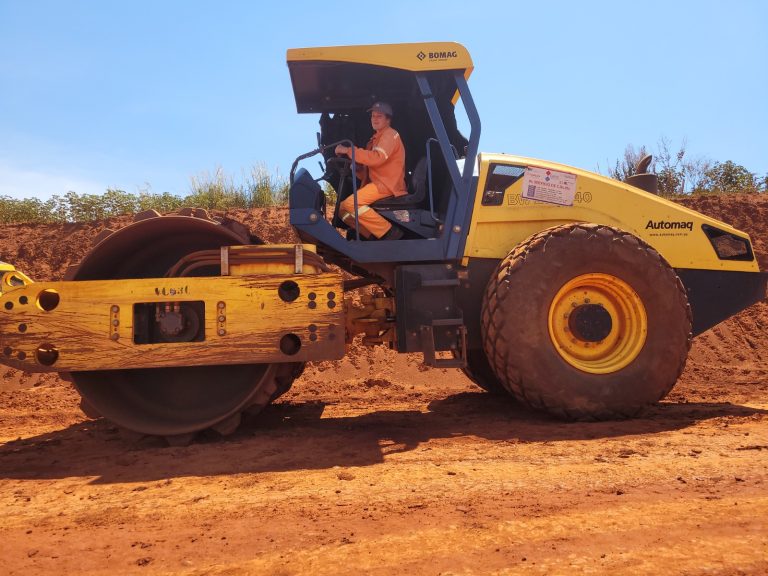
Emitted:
<point x="384" y="162"/>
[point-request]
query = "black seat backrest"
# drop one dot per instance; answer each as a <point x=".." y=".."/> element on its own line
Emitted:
<point x="417" y="190"/>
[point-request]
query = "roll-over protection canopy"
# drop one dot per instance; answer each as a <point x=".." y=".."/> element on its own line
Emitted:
<point x="340" y="78"/>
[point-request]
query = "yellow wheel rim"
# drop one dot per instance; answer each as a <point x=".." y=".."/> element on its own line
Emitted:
<point x="597" y="323"/>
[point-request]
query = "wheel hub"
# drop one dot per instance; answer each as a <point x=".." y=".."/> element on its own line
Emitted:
<point x="590" y="323"/>
<point x="597" y="323"/>
<point x="171" y="323"/>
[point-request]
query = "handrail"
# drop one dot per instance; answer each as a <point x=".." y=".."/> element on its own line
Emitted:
<point x="299" y="159"/>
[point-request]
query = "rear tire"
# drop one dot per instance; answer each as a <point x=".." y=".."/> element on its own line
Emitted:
<point x="480" y="372"/>
<point x="586" y="322"/>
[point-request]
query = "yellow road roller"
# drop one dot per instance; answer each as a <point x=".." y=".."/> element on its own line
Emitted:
<point x="575" y="293"/>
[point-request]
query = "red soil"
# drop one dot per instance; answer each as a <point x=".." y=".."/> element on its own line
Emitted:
<point x="374" y="464"/>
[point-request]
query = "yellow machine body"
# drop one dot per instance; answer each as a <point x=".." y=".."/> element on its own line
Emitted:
<point x="673" y="230"/>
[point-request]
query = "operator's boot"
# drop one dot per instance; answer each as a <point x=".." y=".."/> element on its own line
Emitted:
<point x="394" y="233"/>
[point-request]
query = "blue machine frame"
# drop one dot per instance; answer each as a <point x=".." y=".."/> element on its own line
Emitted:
<point x="449" y="246"/>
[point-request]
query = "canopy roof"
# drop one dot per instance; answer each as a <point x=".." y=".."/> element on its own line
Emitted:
<point x="341" y="78"/>
<point x="416" y="57"/>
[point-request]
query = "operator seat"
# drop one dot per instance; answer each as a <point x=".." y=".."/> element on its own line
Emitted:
<point x="418" y="190"/>
<point x="408" y="212"/>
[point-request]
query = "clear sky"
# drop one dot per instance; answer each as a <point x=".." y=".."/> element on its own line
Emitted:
<point x="145" y="94"/>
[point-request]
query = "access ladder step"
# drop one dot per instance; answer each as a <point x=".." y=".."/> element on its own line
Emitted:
<point x="427" y="336"/>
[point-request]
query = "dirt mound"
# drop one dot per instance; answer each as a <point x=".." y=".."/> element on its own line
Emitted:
<point x="44" y="251"/>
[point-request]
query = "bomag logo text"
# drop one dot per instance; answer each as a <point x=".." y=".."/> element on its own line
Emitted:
<point x="442" y="55"/>
<point x="666" y="225"/>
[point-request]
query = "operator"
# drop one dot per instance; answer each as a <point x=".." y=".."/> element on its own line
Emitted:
<point x="383" y="175"/>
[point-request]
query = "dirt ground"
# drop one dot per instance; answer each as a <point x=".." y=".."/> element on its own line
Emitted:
<point x="375" y="465"/>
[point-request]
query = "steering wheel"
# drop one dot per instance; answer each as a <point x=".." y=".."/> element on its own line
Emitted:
<point x="340" y="164"/>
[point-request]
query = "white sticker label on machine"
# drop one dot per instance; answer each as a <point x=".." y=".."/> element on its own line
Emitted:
<point x="549" y="186"/>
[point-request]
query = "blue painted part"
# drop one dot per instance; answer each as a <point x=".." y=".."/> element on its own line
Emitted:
<point x="306" y="200"/>
<point x="474" y="122"/>
<point x="429" y="180"/>
<point x="465" y="199"/>
<point x="453" y="170"/>
<point x="304" y="192"/>
<point x="354" y="191"/>
<point x="305" y="216"/>
<point x="419" y="250"/>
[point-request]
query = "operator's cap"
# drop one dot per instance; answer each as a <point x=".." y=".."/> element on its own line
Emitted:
<point x="382" y="107"/>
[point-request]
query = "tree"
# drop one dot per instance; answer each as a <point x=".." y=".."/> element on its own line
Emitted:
<point x="680" y="174"/>
<point x="729" y="177"/>
<point x="677" y="173"/>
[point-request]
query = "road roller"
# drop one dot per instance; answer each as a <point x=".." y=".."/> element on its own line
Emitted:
<point x="577" y="294"/>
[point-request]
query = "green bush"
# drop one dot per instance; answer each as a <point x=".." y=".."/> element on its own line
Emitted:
<point x="216" y="191"/>
<point x="27" y="210"/>
<point x="729" y="178"/>
<point x="165" y="202"/>
<point x="264" y="189"/>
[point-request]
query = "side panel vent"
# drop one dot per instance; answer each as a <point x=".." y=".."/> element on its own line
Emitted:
<point x="728" y="246"/>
